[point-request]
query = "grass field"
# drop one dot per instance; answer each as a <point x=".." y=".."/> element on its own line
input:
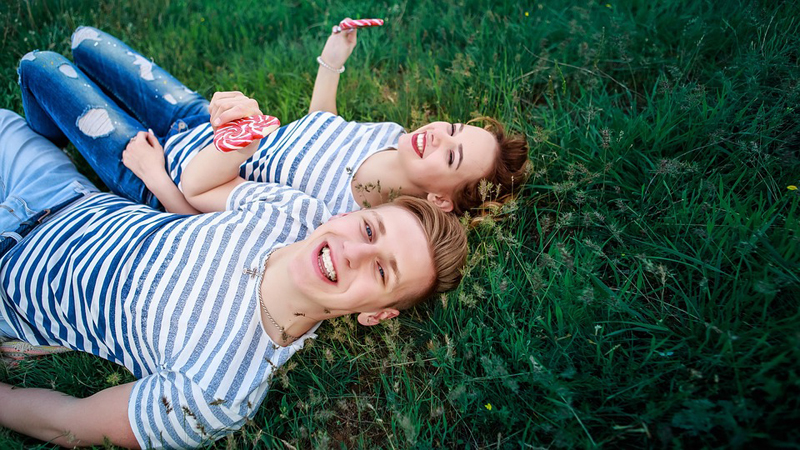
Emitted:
<point x="641" y="293"/>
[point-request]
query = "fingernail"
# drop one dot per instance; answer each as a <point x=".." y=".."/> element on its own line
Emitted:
<point x="150" y="130"/>
<point x="216" y="122"/>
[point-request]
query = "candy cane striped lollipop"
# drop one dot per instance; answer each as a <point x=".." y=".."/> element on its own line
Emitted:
<point x="349" y="24"/>
<point x="240" y="133"/>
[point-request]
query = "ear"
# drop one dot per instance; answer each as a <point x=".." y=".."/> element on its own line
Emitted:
<point x="374" y="318"/>
<point x="442" y="201"/>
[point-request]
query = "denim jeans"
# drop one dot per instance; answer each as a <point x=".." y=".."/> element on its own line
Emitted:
<point x="5" y="330"/>
<point x="34" y="175"/>
<point x="102" y="101"/>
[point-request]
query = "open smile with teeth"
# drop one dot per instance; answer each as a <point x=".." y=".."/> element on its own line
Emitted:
<point x="419" y="141"/>
<point x="326" y="263"/>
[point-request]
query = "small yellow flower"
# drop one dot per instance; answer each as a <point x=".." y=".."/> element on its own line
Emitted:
<point x="791" y="187"/>
<point x="488" y="406"/>
<point x="608" y="5"/>
<point x="526" y="14"/>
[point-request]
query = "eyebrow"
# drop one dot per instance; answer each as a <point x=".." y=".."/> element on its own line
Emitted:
<point x="382" y="230"/>
<point x="460" y="147"/>
<point x="379" y="221"/>
<point x="393" y="263"/>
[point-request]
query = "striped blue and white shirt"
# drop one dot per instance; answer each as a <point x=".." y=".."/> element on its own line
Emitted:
<point x="172" y="298"/>
<point x="318" y="154"/>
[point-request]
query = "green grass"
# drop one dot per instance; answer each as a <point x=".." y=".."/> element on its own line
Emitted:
<point x="642" y="292"/>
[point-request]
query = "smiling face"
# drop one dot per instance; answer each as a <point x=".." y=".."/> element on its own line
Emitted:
<point x="364" y="262"/>
<point x="441" y="157"/>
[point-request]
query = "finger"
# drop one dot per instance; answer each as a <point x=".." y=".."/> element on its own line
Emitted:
<point x="225" y="94"/>
<point x="232" y="109"/>
<point x="219" y="98"/>
<point x="151" y="138"/>
<point x="238" y="112"/>
<point x="224" y="103"/>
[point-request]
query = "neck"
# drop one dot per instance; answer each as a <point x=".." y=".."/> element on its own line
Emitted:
<point x="378" y="180"/>
<point x="286" y="306"/>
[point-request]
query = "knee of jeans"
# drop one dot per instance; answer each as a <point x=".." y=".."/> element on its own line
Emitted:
<point x="23" y="62"/>
<point x="43" y="60"/>
<point x="83" y="34"/>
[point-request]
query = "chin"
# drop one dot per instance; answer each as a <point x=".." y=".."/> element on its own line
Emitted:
<point x="404" y="143"/>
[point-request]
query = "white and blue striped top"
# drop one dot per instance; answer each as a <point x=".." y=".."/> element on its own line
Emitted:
<point x="318" y="154"/>
<point x="167" y="297"/>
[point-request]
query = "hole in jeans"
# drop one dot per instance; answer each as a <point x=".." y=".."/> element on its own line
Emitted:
<point x="145" y="66"/>
<point x="68" y="70"/>
<point x="83" y="34"/>
<point x="95" y="123"/>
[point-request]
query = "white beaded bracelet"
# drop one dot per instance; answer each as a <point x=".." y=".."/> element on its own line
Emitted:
<point x="325" y="65"/>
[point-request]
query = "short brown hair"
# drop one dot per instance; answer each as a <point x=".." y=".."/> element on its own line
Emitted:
<point x="447" y="242"/>
<point x="507" y="175"/>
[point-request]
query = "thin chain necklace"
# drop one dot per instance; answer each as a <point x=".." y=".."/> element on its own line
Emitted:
<point x="284" y="335"/>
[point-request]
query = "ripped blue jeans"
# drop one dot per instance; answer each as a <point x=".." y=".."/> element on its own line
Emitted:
<point x="102" y="100"/>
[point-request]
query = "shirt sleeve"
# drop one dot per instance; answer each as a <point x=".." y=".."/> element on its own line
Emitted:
<point x="168" y="410"/>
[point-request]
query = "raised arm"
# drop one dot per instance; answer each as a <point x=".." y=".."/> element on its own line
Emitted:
<point x="211" y="175"/>
<point x="337" y="49"/>
<point x="145" y="157"/>
<point x="68" y="421"/>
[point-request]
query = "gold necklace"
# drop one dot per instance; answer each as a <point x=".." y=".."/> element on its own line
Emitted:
<point x="284" y="335"/>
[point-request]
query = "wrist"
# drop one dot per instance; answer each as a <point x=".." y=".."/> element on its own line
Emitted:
<point x="323" y="64"/>
<point x="156" y="181"/>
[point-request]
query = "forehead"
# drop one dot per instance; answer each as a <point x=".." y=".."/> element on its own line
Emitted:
<point x="480" y="150"/>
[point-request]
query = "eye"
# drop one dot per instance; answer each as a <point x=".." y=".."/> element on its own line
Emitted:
<point x="452" y="129"/>
<point x="383" y="275"/>
<point x="450" y="159"/>
<point x="368" y="230"/>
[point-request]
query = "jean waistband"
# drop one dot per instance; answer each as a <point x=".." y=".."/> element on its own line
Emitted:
<point x="35" y="220"/>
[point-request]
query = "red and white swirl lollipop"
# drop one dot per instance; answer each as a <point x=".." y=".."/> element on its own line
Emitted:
<point x="349" y="24"/>
<point x="240" y="133"/>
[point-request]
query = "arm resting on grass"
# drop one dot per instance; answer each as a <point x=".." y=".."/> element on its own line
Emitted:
<point x="68" y="421"/>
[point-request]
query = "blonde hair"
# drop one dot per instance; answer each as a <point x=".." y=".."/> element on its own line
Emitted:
<point x="447" y="242"/>
<point x="508" y="173"/>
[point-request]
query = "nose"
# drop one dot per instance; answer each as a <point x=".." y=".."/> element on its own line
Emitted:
<point x="440" y="138"/>
<point x="356" y="253"/>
